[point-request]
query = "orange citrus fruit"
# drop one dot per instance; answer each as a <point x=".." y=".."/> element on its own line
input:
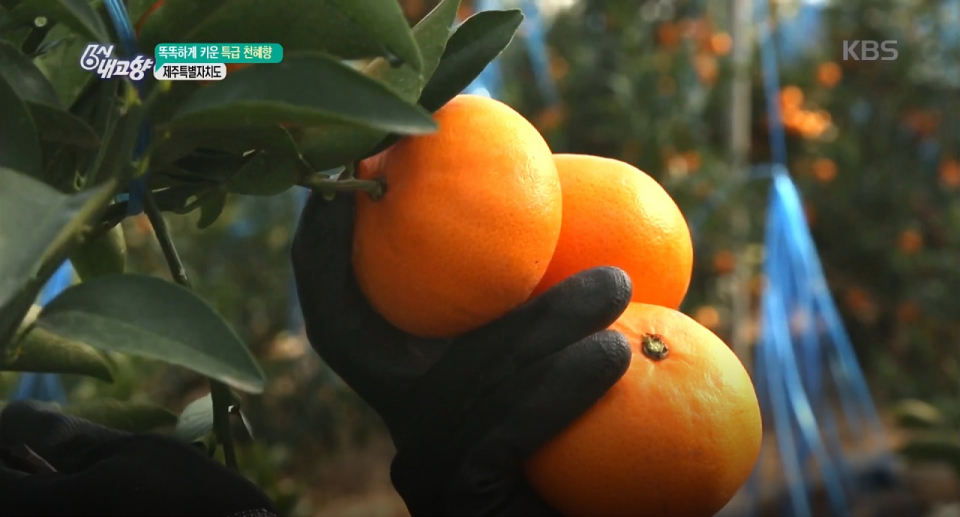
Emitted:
<point x="468" y="222"/>
<point x="616" y="215"/>
<point x="676" y="436"/>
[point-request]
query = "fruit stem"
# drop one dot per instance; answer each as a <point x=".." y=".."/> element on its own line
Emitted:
<point x="320" y="183"/>
<point x="653" y="346"/>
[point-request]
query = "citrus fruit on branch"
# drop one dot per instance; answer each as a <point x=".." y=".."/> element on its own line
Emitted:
<point x="676" y="436"/>
<point x="467" y="224"/>
<point x="100" y="255"/>
<point x="616" y="215"/>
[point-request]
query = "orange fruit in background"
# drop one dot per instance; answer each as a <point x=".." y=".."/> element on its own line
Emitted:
<point x="676" y="436"/>
<point x="616" y="215"/>
<point x="467" y="224"/>
<point x="829" y="74"/>
<point x="910" y="241"/>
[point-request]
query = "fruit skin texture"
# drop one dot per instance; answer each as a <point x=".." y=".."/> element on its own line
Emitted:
<point x="673" y="438"/>
<point x="468" y="222"/>
<point x="616" y="215"/>
<point x="101" y="256"/>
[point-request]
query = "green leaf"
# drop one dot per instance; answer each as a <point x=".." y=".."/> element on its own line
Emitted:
<point x="913" y="413"/>
<point x="25" y="78"/>
<point x="383" y="20"/>
<point x="178" y="198"/>
<point x="266" y="175"/>
<point x="13" y="32"/>
<point x="39" y="350"/>
<point x="76" y="14"/>
<point x="19" y="142"/>
<point x="477" y="42"/>
<point x="256" y="161"/>
<point x="100" y="104"/>
<point x="62" y="166"/>
<point x="196" y="420"/>
<point x="36" y="223"/>
<point x="182" y="141"/>
<point x="203" y="166"/>
<point x="246" y="423"/>
<point x="350" y="29"/>
<point x="51" y="121"/>
<point x="60" y="64"/>
<point x="116" y="156"/>
<point x="305" y="90"/>
<point x="136" y="8"/>
<point x="211" y="208"/>
<point x="330" y="146"/>
<point x="149" y="317"/>
<point x="13" y="311"/>
<point x="133" y="417"/>
<point x="56" y="125"/>
<point x="104" y="255"/>
<point x="431" y="35"/>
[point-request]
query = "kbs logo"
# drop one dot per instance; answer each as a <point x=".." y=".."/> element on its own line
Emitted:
<point x="869" y="50"/>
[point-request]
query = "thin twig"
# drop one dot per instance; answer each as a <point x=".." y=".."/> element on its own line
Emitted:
<point x="219" y="392"/>
<point x="163" y="237"/>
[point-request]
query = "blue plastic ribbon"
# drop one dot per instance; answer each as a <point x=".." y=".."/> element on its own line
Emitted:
<point x="790" y="380"/>
<point x="128" y="44"/>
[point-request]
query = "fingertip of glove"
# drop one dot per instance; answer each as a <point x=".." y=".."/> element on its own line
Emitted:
<point x="618" y="346"/>
<point x="613" y="350"/>
<point x="613" y="281"/>
<point x="603" y="291"/>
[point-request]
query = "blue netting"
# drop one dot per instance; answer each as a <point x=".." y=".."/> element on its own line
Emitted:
<point x="801" y="332"/>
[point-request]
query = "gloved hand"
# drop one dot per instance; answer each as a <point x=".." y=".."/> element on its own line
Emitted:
<point x="52" y="464"/>
<point x="464" y="413"/>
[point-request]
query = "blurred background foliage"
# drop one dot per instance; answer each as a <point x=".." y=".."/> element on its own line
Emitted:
<point x="875" y="149"/>
<point x="873" y="146"/>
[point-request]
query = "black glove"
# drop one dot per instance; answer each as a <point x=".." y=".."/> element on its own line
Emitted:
<point x="52" y="464"/>
<point x="464" y="413"/>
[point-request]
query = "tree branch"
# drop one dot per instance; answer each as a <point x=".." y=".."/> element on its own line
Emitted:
<point x="219" y="392"/>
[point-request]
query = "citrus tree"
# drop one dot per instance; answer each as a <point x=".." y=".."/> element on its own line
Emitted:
<point x="79" y="154"/>
<point x="869" y="143"/>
